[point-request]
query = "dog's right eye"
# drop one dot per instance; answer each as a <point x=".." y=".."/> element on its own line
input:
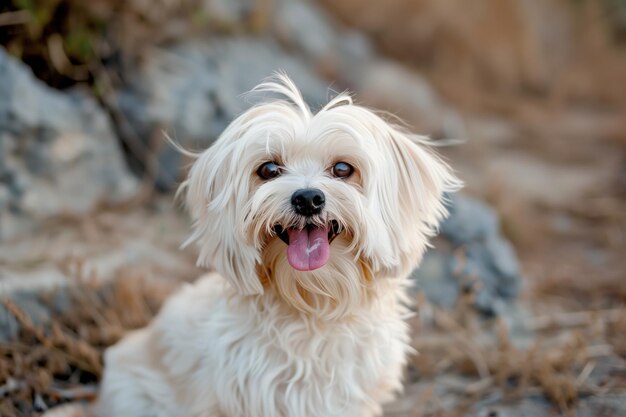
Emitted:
<point x="269" y="170"/>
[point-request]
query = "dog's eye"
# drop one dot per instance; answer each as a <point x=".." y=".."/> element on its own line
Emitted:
<point x="269" y="170"/>
<point x="342" y="170"/>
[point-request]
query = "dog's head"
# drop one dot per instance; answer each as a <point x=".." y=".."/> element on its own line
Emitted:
<point x="314" y="206"/>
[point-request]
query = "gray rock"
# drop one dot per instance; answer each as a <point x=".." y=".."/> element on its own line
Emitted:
<point x="435" y="277"/>
<point x="470" y="253"/>
<point x="193" y="90"/>
<point x="389" y="85"/>
<point x="302" y="27"/>
<point x="9" y="327"/>
<point x="30" y="304"/>
<point x="36" y="308"/>
<point x="470" y="220"/>
<point x="354" y="51"/>
<point x="305" y="27"/>
<point x="58" y="153"/>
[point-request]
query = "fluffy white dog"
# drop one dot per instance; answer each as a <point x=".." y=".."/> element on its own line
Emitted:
<point x="313" y="222"/>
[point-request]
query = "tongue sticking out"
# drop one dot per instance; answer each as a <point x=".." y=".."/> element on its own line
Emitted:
<point x="308" y="248"/>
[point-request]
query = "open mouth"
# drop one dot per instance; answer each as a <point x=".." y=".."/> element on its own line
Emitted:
<point x="308" y="248"/>
<point x="333" y="231"/>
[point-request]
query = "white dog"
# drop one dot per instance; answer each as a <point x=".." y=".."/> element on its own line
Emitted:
<point x="313" y="222"/>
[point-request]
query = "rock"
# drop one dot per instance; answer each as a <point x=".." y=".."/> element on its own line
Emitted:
<point x="9" y="326"/>
<point x="58" y="152"/>
<point x="470" y="253"/>
<point x="389" y="85"/>
<point x="307" y="28"/>
<point x="193" y="90"/>
<point x="469" y="220"/>
<point x="300" y="26"/>
<point x="25" y="290"/>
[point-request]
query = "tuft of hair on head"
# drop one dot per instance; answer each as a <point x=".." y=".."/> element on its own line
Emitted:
<point x="280" y="84"/>
<point x="341" y="99"/>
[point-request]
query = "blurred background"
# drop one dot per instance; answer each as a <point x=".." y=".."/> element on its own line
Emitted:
<point x="521" y="302"/>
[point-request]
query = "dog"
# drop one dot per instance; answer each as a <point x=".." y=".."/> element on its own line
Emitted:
<point x="312" y="223"/>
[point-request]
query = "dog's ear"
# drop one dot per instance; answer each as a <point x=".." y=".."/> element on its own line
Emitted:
<point x="411" y="195"/>
<point x="215" y="188"/>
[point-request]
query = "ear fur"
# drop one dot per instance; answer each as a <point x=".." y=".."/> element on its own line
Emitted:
<point x="412" y="198"/>
<point x="214" y="199"/>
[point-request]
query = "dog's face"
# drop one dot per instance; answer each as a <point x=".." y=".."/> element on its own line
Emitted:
<point x="316" y="207"/>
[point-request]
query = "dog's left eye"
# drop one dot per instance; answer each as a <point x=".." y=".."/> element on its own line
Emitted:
<point x="342" y="170"/>
<point x="269" y="170"/>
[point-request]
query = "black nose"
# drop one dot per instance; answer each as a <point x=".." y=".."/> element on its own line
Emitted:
<point x="308" y="201"/>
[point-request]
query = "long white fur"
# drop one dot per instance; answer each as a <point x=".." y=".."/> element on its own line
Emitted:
<point x="259" y="338"/>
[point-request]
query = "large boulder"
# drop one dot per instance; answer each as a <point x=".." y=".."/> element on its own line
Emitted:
<point x="58" y="152"/>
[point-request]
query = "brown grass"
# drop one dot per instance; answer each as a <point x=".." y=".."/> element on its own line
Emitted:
<point x="62" y="361"/>
<point x="557" y="361"/>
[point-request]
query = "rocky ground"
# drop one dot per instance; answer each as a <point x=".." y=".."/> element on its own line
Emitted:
<point x="521" y="302"/>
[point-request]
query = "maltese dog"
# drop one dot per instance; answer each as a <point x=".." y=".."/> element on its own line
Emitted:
<point x="313" y="223"/>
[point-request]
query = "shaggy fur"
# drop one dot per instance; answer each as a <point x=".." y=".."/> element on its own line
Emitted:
<point x="260" y="338"/>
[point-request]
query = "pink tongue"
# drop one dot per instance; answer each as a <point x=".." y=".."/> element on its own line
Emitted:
<point x="308" y="249"/>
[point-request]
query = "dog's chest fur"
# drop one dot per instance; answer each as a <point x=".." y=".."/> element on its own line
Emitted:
<point x="231" y="357"/>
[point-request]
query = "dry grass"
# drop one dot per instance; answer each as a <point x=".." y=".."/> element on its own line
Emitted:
<point x="556" y="361"/>
<point x="62" y="360"/>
